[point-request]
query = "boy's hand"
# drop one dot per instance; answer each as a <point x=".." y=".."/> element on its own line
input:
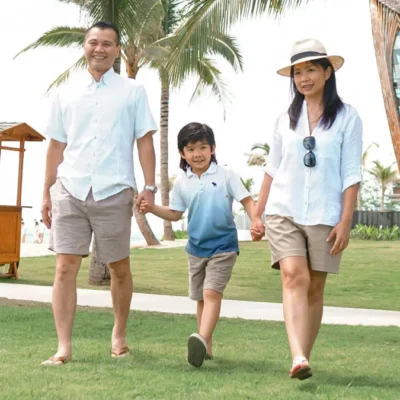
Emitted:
<point x="144" y="207"/>
<point x="257" y="229"/>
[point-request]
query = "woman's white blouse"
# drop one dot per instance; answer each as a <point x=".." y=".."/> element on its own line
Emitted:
<point x="313" y="196"/>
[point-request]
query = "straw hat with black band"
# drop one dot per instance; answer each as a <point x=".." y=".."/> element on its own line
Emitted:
<point x="308" y="50"/>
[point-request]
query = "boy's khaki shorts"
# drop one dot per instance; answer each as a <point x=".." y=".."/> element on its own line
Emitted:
<point x="288" y="239"/>
<point x="211" y="273"/>
<point x="73" y="222"/>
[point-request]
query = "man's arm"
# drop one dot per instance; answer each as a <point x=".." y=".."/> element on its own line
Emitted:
<point x="147" y="158"/>
<point x="54" y="157"/>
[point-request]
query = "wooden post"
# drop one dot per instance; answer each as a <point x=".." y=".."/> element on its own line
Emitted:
<point x="20" y="171"/>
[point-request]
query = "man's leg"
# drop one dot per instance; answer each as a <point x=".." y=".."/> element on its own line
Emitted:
<point x="121" y="293"/>
<point x="64" y="304"/>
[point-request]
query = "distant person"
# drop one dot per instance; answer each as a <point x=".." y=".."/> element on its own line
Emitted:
<point x="93" y="128"/>
<point x="207" y="190"/>
<point x="41" y="230"/>
<point x="36" y="227"/>
<point x="310" y="188"/>
<point x="23" y="231"/>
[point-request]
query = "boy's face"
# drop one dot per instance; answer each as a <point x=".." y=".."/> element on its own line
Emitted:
<point x="198" y="156"/>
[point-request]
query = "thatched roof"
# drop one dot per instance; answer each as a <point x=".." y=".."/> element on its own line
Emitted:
<point x="392" y="4"/>
<point x="15" y="131"/>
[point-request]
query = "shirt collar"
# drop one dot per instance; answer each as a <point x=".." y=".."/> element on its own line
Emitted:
<point x="212" y="169"/>
<point x="106" y="78"/>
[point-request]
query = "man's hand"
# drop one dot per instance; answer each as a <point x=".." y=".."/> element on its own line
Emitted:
<point x="144" y="207"/>
<point x="342" y="233"/>
<point x="147" y="196"/>
<point x="46" y="210"/>
<point x="257" y="229"/>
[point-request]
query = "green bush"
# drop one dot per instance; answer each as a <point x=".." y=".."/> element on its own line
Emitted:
<point x="181" y="234"/>
<point x="365" y="232"/>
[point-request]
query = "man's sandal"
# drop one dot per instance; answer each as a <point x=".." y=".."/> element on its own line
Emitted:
<point x="56" y="361"/>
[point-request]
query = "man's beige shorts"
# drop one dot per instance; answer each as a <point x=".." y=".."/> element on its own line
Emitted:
<point x="288" y="239"/>
<point x="73" y="222"/>
<point x="211" y="273"/>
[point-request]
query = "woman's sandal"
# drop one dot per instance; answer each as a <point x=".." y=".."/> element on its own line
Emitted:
<point x="123" y="352"/>
<point x="56" y="361"/>
<point x="301" y="370"/>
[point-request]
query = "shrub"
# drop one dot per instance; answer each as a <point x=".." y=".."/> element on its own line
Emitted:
<point x="365" y="232"/>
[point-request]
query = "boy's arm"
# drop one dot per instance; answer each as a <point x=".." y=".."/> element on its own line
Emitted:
<point x="160" y="211"/>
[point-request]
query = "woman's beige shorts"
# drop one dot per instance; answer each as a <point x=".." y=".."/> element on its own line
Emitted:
<point x="288" y="239"/>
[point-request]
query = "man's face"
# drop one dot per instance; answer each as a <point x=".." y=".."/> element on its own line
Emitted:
<point x="101" y="49"/>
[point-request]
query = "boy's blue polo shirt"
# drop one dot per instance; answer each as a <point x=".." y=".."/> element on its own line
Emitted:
<point x="209" y="198"/>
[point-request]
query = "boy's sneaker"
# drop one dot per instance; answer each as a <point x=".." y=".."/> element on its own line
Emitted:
<point x="197" y="350"/>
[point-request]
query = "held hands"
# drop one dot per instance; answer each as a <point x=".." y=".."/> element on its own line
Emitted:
<point x="342" y="233"/>
<point x="147" y="198"/>
<point x="145" y="207"/>
<point x="257" y="229"/>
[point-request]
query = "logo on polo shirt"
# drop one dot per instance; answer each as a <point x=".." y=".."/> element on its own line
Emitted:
<point x="214" y="184"/>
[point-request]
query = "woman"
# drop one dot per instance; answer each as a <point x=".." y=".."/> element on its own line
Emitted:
<point x="309" y="190"/>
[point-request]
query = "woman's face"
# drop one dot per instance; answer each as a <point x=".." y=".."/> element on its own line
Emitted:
<point x="310" y="78"/>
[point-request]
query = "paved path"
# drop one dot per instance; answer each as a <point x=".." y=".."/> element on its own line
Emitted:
<point x="182" y="305"/>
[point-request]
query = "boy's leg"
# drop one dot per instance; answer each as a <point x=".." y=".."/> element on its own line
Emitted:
<point x="200" y="307"/>
<point x="210" y="316"/>
<point x="218" y="273"/>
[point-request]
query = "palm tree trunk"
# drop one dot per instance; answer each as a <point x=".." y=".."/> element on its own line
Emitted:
<point x="359" y="199"/>
<point x="168" y="232"/>
<point x="99" y="274"/>
<point x="383" y="200"/>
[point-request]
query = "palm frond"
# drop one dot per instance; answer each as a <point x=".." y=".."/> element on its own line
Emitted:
<point x="80" y="64"/>
<point x="211" y="16"/>
<point x="210" y="77"/>
<point x="61" y="36"/>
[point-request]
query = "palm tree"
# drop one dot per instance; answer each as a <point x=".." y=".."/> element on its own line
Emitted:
<point x="258" y="159"/>
<point x="248" y="184"/>
<point x="363" y="165"/>
<point x="216" y="17"/>
<point x="384" y="176"/>
<point x="147" y="30"/>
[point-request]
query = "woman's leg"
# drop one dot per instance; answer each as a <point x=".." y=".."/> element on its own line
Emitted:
<point x="295" y="286"/>
<point x="315" y="307"/>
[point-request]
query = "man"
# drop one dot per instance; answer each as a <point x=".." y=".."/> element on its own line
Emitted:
<point x="89" y="168"/>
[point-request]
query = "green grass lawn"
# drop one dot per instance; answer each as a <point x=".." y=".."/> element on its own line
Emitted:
<point x="369" y="276"/>
<point x="251" y="360"/>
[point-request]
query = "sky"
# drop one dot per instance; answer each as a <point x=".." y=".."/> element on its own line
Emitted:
<point x="258" y="94"/>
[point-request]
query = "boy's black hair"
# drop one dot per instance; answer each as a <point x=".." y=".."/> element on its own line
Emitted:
<point x="332" y="102"/>
<point x="106" y="25"/>
<point x="192" y="133"/>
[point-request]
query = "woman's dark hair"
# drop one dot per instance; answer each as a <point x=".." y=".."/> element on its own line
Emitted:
<point x="332" y="102"/>
<point x="193" y="133"/>
<point x="106" y="25"/>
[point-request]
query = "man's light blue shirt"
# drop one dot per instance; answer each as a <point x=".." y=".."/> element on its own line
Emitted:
<point x="209" y="198"/>
<point x="99" y="122"/>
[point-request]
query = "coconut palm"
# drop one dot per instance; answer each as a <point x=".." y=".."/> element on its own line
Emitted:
<point x="216" y="17"/>
<point x="363" y="165"/>
<point x="257" y="158"/>
<point x="248" y="183"/>
<point x="384" y="176"/>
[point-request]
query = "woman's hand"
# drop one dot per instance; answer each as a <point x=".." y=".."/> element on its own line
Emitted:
<point x="341" y="233"/>
<point x="257" y="229"/>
